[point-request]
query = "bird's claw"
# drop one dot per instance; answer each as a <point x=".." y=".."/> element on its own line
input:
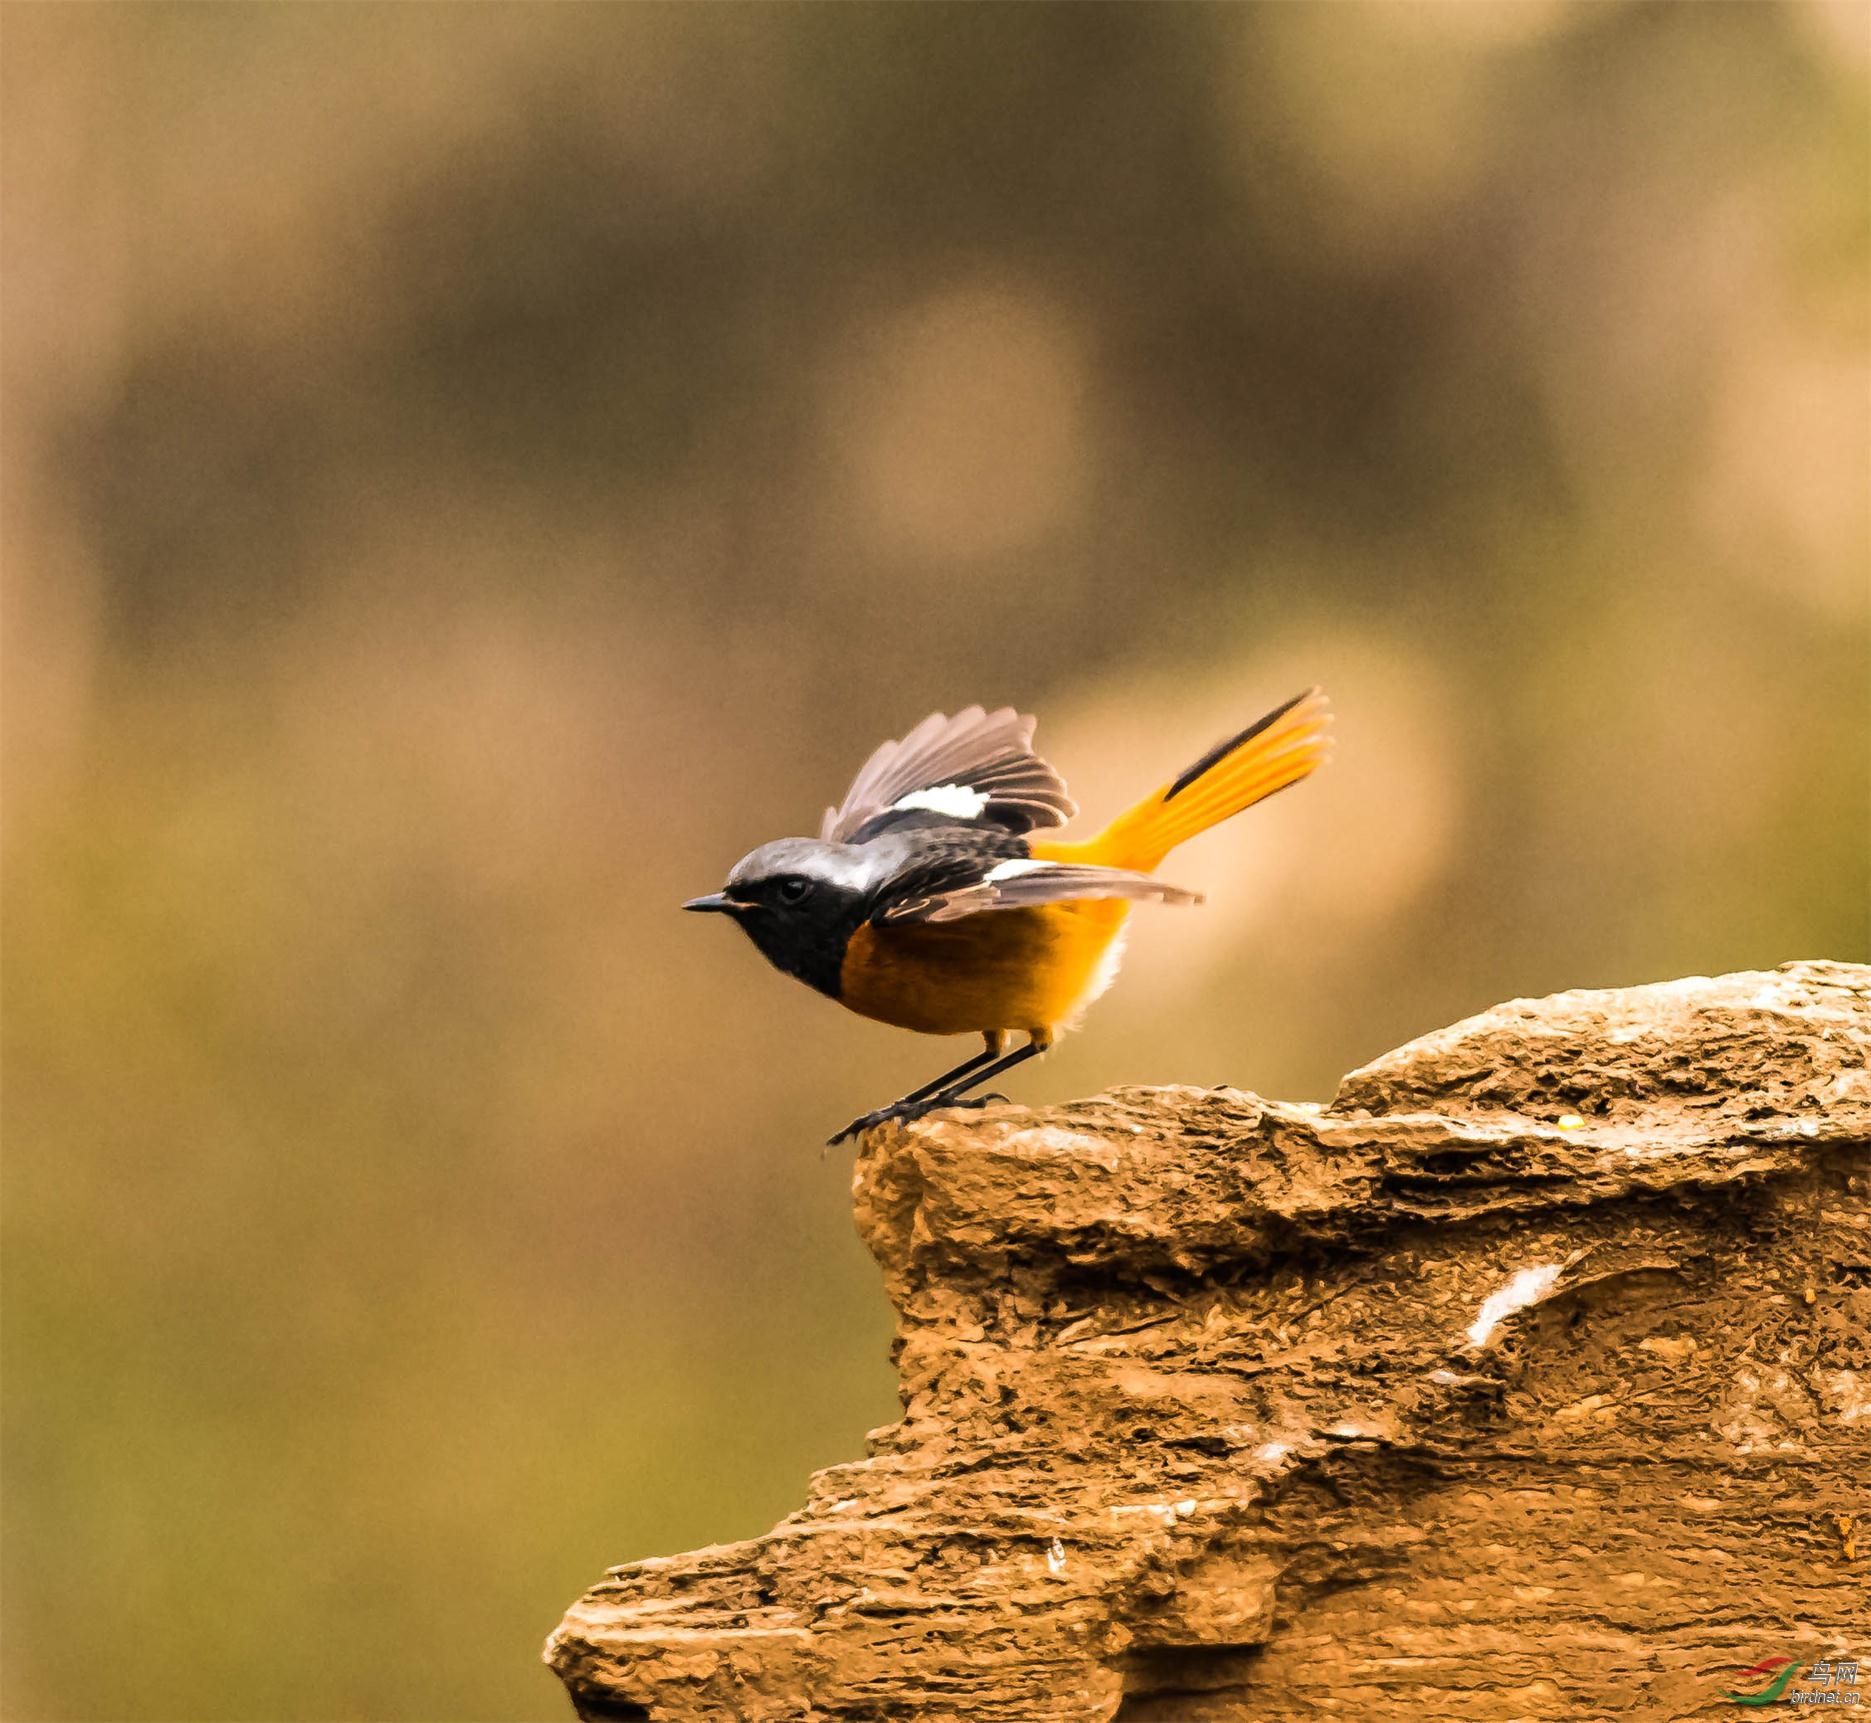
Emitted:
<point x="857" y="1127"/>
<point x="882" y="1116"/>
<point x="904" y="1111"/>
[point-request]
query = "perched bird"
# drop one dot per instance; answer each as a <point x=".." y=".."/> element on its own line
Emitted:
<point x="929" y="901"/>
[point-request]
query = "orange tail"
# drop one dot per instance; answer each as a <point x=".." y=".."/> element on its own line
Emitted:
<point x="1279" y="750"/>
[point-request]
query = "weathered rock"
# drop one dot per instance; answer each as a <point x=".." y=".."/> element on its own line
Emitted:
<point x="1529" y="1379"/>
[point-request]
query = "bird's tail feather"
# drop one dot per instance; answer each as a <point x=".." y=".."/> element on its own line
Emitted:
<point x="1278" y="750"/>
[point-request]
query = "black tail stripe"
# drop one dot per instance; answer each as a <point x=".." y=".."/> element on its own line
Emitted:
<point x="1222" y="750"/>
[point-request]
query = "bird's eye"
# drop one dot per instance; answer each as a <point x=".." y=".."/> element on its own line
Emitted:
<point x="793" y="889"/>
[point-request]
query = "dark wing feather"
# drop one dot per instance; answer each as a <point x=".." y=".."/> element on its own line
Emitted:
<point x="1044" y="882"/>
<point x="938" y="862"/>
<point x="990" y="752"/>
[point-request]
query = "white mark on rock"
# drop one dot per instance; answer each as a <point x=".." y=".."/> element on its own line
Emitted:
<point x="1528" y="1286"/>
<point x="1055" y="1557"/>
<point x="1847" y="1393"/>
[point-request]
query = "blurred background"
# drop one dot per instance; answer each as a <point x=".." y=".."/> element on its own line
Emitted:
<point x="471" y="473"/>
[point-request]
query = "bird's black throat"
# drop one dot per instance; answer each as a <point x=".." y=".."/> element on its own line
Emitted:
<point x="808" y="940"/>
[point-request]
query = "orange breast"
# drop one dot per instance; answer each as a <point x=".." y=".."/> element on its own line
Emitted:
<point x="1027" y="969"/>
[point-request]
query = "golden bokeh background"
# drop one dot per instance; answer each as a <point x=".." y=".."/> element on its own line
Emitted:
<point x="470" y="473"/>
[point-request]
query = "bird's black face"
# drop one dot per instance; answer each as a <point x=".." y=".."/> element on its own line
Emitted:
<point x="799" y="914"/>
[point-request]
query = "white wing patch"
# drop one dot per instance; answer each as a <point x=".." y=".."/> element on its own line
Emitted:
<point x="977" y="754"/>
<point x="958" y="801"/>
<point x="1011" y="869"/>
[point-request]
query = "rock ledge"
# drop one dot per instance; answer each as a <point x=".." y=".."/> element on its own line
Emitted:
<point x="1531" y="1378"/>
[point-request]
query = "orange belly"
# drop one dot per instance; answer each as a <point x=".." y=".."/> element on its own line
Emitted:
<point x="1027" y="969"/>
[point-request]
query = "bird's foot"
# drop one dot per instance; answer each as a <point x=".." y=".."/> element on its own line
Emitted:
<point x="882" y="1116"/>
<point x="902" y="1112"/>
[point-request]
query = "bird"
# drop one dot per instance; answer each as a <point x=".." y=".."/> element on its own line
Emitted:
<point x="936" y="899"/>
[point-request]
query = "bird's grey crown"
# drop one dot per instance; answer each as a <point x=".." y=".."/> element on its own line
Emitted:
<point x="851" y="866"/>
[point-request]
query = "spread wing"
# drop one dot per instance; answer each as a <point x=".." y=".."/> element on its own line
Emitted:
<point x="1022" y="884"/>
<point x="976" y="766"/>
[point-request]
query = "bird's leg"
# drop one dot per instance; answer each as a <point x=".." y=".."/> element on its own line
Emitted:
<point x="948" y="1078"/>
<point x="952" y="1095"/>
<point x="948" y="1090"/>
<point x="912" y="1101"/>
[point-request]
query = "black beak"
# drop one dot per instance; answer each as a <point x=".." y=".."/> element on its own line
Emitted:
<point x="714" y="900"/>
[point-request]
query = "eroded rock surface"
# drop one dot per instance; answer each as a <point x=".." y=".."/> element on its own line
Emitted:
<point x="1529" y="1379"/>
